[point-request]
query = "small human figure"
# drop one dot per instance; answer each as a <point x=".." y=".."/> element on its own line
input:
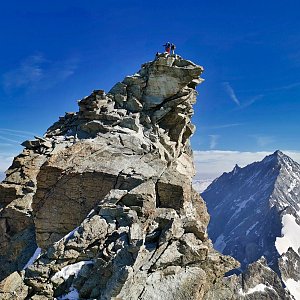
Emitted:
<point x="173" y="47"/>
<point x="167" y="47"/>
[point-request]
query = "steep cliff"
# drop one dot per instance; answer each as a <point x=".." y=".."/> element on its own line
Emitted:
<point x="102" y="207"/>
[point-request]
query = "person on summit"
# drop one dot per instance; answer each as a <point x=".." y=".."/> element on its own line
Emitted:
<point x="167" y="47"/>
<point x="173" y="47"/>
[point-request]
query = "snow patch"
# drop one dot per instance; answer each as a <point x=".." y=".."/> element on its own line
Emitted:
<point x="290" y="235"/>
<point x="241" y="206"/>
<point x="258" y="288"/>
<point x="69" y="270"/>
<point x="293" y="185"/>
<point x="294" y="287"/>
<point x="250" y="228"/>
<point x="90" y="213"/>
<point x="70" y="234"/>
<point x="219" y="244"/>
<point x="72" y="295"/>
<point x="33" y="258"/>
<point x="284" y="258"/>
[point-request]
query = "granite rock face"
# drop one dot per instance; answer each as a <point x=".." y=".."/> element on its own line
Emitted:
<point x="102" y="206"/>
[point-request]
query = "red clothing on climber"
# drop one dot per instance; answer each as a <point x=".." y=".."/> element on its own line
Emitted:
<point x="167" y="47"/>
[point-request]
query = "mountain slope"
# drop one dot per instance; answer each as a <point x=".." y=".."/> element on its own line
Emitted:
<point x="255" y="212"/>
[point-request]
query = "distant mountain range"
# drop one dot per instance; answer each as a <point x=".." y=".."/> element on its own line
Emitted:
<point x="255" y="211"/>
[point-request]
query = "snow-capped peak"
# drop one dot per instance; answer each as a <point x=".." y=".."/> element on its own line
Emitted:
<point x="255" y="211"/>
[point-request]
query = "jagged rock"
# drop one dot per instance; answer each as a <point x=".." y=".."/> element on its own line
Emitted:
<point x="257" y="282"/>
<point x="13" y="287"/>
<point x="107" y="196"/>
<point x="17" y="234"/>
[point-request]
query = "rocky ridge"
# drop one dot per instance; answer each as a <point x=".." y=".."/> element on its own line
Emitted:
<point x="102" y="206"/>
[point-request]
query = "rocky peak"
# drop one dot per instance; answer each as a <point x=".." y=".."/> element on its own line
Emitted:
<point x="156" y="102"/>
<point x="278" y="159"/>
<point x="287" y="184"/>
<point x="255" y="212"/>
<point x="103" y="206"/>
<point x="279" y="153"/>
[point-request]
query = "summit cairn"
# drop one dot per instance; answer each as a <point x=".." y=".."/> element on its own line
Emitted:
<point x="102" y="206"/>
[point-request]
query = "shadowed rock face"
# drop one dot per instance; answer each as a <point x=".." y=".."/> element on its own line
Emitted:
<point x="255" y="212"/>
<point x="117" y="175"/>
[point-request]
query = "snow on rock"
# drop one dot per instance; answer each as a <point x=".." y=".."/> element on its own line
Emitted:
<point x="220" y="243"/>
<point x="33" y="258"/>
<point x="290" y="235"/>
<point x="294" y="287"/>
<point x="70" y="234"/>
<point x="201" y="185"/>
<point x="251" y="228"/>
<point x="258" y="288"/>
<point x="69" y="270"/>
<point x="72" y="295"/>
<point x="293" y="185"/>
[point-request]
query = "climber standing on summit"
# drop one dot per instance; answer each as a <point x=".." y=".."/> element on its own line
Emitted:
<point x="167" y="47"/>
<point x="173" y="47"/>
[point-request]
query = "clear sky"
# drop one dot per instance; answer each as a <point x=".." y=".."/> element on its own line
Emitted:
<point x="56" y="52"/>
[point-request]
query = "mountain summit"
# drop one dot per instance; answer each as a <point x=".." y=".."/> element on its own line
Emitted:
<point x="255" y="211"/>
<point x="102" y="206"/>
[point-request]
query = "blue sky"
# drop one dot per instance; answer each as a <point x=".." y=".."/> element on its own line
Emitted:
<point x="56" y="52"/>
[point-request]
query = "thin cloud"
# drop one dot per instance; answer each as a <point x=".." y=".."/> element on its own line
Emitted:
<point x="5" y="161"/>
<point x="213" y="141"/>
<point x="37" y="72"/>
<point x="222" y="126"/>
<point x="17" y="131"/>
<point x="231" y="93"/>
<point x="283" y="87"/>
<point x="277" y="89"/>
<point x="30" y="71"/>
<point x="14" y="134"/>
<point x="9" y="140"/>
<point x="263" y="140"/>
<point x="252" y="101"/>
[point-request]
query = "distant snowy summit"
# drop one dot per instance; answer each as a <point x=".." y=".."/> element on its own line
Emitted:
<point x="255" y="211"/>
<point x="201" y="185"/>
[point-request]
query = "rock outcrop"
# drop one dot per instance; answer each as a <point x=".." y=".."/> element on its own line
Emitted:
<point x="102" y="207"/>
<point x="256" y="283"/>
